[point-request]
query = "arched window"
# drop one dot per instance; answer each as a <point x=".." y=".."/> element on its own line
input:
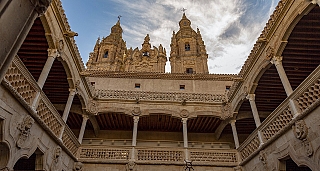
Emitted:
<point x="105" y="55"/>
<point x="145" y="53"/>
<point x="187" y="46"/>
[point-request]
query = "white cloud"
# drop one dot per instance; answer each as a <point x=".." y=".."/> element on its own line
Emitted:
<point x="227" y="35"/>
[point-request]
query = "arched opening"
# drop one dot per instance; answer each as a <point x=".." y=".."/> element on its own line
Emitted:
<point x="290" y="165"/>
<point x="187" y="46"/>
<point x="34" y="162"/>
<point x="4" y="155"/>
<point x="106" y="54"/>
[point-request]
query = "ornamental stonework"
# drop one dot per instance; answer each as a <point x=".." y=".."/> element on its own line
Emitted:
<point x="24" y="128"/>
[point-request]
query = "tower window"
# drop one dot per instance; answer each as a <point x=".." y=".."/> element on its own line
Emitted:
<point x="136" y="85"/>
<point x="105" y="55"/>
<point x="228" y="87"/>
<point x="187" y="46"/>
<point x="189" y="70"/>
<point x="145" y="53"/>
<point x="182" y="87"/>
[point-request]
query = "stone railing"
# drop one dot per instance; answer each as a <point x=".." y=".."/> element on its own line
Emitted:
<point x="23" y="86"/>
<point x="157" y="155"/>
<point x="155" y="143"/>
<point x="305" y="98"/>
<point x="160" y="96"/>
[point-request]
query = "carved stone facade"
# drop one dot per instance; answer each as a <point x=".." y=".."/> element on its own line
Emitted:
<point x="188" y="52"/>
<point x="111" y="54"/>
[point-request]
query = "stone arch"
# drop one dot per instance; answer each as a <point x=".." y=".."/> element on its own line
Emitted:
<point x="34" y="161"/>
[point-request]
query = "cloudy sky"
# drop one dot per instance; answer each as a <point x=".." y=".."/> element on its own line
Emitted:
<point x="229" y="28"/>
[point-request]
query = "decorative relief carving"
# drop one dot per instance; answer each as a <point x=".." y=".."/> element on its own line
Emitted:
<point x="226" y="111"/>
<point x="60" y="46"/>
<point x="157" y="155"/>
<point x="262" y="158"/>
<point x="41" y="5"/>
<point x="130" y="166"/>
<point x="136" y="111"/>
<point x="184" y="113"/>
<point x="163" y="96"/>
<point x="93" y="107"/>
<point x="300" y="131"/>
<point x="24" y="129"/>
<point x="221" y="157"/>
<point x="110" y="154"/>
<point x="269" y="53"/>
<point x="78" y="166"/>
<point x="56" y="162"/>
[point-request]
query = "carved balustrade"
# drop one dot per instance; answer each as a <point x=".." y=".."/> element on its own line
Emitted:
<point x="157" y="155"/>
<point x="160" y="96"/>
<point x="23" y="86"/>
<point x="305" y="97"/>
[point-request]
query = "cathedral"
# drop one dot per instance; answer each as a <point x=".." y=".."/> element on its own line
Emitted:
<point x="122" y="111"/>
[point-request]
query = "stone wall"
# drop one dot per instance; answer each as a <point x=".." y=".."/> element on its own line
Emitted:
<point x="22" y="136"/>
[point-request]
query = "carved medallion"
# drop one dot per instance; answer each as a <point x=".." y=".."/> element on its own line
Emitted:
<point x="24" y="128"/>
<point x="93" y="107"/>
<point x="136" y="111"/>
<point x="262" y="157"/>
<point x="226" y="111"/>
<point x="184" y="113"/>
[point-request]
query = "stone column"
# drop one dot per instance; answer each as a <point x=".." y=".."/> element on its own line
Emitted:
<point x="135" y="130"/>
<point x="255" y="113"/>
<point x="234" y="132"/>
<point x="16" y="20"/>
<point x="185" y="132"/>
<point x="68" y="105"/>
<point x="251" y="98"/>
<point x="277" y="61"/>
<point x="52" y="55"/>
<point x="83" y="127"/>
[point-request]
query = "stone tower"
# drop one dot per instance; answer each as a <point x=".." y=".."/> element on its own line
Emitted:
<point x="108" y="54"/>
<point x="147" y="59"/>
<point x="188" y="52"/>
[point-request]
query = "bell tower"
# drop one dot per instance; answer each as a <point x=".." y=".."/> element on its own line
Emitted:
<point x="188" y="52"/>
<point x="108" y="53"/>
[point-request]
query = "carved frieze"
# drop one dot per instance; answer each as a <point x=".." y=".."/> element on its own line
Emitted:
<point x="24" y="128"/>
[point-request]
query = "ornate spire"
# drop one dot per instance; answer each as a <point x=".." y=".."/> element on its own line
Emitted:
<point x="184" y="22"/>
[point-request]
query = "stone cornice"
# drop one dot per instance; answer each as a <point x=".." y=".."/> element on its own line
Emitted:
<point x="150" y="75"/>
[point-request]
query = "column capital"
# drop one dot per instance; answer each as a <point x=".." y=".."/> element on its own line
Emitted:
<point x="72" y="91"/>
<point x="184" y="120"/>
<point x="251" y="97"/>
<point x="276" y="60"/>
<point x="233" y="121"/>
<point x="41" y="5"/>
<point x="136" y="119"/>
<point x="53" y="53"/>
<point x="85" y="117"/>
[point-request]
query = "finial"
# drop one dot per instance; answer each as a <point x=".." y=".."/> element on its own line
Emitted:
<point x="184" y="10"/>
<point x="119" y="16"/>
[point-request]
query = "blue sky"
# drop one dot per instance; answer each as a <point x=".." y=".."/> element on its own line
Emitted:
<point x="229" y="28"/>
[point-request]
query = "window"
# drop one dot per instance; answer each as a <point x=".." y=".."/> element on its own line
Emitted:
<point x="189" y="70"/>
<point x="182" y="87"/>
<point x="105" y="55"/>
<point x="136" y="85"/>
<point x="228" y="87"/>
<point x="145" y="53"/>
<point x="187" y="46"/>
<point x="93" y="83"/>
